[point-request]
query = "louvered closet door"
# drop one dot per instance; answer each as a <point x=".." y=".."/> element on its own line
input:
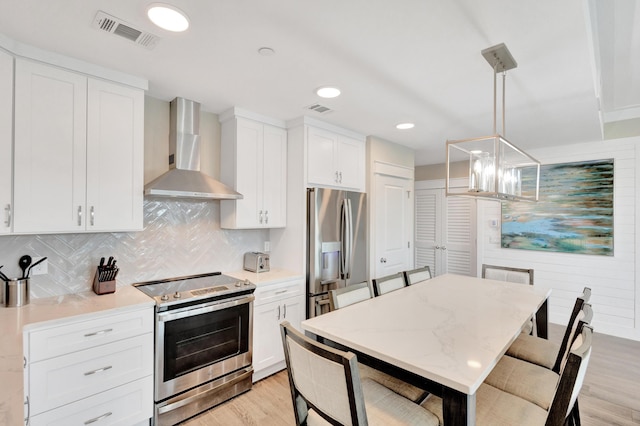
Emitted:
<point x="428" y="229"/>
<point x="459" y="238"/>
<point x="445" y="232"/>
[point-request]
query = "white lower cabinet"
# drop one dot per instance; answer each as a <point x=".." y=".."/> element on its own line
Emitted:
<point x="90" y="370"/>
<point x="275" y="303"/>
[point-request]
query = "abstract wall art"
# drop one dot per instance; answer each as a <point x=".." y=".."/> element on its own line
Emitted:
<point x="574" y="213"/>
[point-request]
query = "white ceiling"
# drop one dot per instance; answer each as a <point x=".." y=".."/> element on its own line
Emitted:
<point x="403" y="60"/>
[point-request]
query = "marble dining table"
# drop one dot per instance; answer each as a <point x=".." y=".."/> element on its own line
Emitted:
<point x="444" y="335"/>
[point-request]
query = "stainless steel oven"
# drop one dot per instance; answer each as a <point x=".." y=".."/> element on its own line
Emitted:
<point x="203" y="343"/>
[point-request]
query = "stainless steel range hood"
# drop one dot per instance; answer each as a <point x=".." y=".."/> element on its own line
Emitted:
<point x="184" y="178"/>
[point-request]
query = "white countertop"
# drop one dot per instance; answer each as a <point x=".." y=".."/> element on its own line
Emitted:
<point x="266" y="278"/>
<point x="50" y="310"/>
<point x="451" y="329"/>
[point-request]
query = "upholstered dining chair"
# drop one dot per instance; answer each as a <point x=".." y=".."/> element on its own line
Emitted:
<point x="512" y="275"/>
<point x="326" y="388"/>
<point x="532" y="382"/>
<point x="387" y="284"/>
<point x="357" y="293"/>
<point x="494" y="406"/>
<point x="507" y="273"/>
<point x="345" y="296"/>
<point x="417" y="275"/>
<point x="544" y="352"/>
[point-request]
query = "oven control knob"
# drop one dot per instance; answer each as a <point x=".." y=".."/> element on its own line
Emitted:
<point x="246" y="282"/>
<point x="165" y="297"/>
<point x="177" y="295"/>
<point x="238" y="284"/>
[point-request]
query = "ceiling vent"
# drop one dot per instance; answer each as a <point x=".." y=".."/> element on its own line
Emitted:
<point x="320" y="109"/>
<point x="113" y="25"/>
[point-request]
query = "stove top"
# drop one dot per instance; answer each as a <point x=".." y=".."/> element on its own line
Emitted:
<point x="190" y="288"/>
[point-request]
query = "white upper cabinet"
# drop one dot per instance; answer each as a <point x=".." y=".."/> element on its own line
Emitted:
<point x="115" y="145"/>
<point x="78" y="152"/>
<point x="6" y="139"/>
<point x="254" y="163"/>
<point x="334" y="160"/>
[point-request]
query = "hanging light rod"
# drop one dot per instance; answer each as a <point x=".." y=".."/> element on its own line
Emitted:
<point x="499" y="58"/>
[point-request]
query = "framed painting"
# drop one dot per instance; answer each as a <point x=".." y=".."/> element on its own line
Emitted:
<point x="574" y="213"/>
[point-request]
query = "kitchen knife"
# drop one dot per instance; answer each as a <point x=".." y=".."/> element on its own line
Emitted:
<point x="101" y="261"/>
<point x="109" y="261"/>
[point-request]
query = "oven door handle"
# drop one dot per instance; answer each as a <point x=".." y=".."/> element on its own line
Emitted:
<point x="203" y="309"/>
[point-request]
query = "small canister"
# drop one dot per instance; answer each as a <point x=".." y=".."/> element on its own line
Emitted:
<point x="16" y="292"/>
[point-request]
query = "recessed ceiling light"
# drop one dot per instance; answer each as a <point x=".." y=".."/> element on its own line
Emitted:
<point x="328" y="92"/>
<point x="405" y="126"/>
<point x="266" y="51"/>
<point x="168" y="17"/>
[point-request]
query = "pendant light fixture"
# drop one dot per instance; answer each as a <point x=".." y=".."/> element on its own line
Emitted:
<point x="497" y="168"/>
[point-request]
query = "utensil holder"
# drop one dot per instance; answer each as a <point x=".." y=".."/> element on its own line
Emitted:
<point x="104" y="287"/>
<point x="15" y="292"/>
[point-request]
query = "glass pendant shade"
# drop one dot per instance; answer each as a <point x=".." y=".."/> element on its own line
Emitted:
<point x="497" y="169"/>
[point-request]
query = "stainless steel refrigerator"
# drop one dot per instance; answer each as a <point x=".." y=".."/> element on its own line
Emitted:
<point x="336" y="244"/>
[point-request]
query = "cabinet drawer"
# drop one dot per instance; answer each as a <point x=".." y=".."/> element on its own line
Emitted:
<point x="70" y="338"/>
<point x="65" y="379"/>
<point x="123" y="406"/>
<point x="278" y="291"/>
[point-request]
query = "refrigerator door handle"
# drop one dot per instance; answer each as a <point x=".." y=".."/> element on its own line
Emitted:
<point x="347" y="239"/>
<point x="343" y="242"/>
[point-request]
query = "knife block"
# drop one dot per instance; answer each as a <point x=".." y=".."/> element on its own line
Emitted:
<point x="103" y="287"/>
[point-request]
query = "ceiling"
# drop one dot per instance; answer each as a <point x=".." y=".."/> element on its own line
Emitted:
<point x="395" y="61"/>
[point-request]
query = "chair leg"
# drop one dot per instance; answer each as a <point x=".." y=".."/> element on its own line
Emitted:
<point x="575" y="413"/>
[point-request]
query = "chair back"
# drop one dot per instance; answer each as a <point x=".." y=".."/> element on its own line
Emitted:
<point x="571" y="379"/>
<point x="417" y="275"/>
<point x="349" y="295"/>
<point x="583" y="318"/>
<point x="570" y="331"/>
<point x="323" y="380"/>
<point x="507" y="273"/>
<point x="389" y="283"/>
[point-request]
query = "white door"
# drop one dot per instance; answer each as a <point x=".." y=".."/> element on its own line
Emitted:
<point x="445" y="232"/>
<point x="350" y="163"/>
<point x="6" y="139"/>
<point x="249" y="178"/>
<point x="393" y="225"/>
<point x="321" y="168"/>
<point x="50" y="149"/>
<point x="274" y="179"/>
<point x="115" y="144"/>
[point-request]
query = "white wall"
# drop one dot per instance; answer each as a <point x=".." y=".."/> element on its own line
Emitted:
<point x="613" y="279"/>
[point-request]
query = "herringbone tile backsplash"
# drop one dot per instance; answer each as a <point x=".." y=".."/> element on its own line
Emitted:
<point x="179" y="238"/>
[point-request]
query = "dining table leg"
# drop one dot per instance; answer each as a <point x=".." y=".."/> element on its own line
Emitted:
<point x="458" y="408"/>
<point x="542" y="320"/>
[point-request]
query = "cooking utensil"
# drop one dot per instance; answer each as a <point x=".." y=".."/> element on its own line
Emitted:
<point x="3" y="276"/>
<point x="24" y="263"/>
<point x="109" y="261"/>
<point x="102" y="261"/>
<point x="35" y="264"/>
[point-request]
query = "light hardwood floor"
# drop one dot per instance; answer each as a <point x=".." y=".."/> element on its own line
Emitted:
<point x="609" y="396"/>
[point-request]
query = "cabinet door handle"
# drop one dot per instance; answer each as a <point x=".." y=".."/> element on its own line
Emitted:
<point x="383" y="260"/>
<point x="340" y="177"/>
<point x="28" y="418"/>
<point x="96" y="419"/>
<point x="278" y="312"/>
<point x="98" y="370"/>
<point x="337" y="181"/>
<point x="260" y="215"/>
<point x="8" y="215"/>
<point x="92" y="215"/>
<point x="266" y="216"/>
<point x="281" y="291"/>
<point x="107" y="330"/>
<point x="79" y="215"/>
<point x="437" y="247"/>
<point x="443" y="247"/>
<point x="285" y="312"/>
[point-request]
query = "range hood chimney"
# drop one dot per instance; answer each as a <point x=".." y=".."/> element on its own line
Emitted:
<point x="184" y="178"/>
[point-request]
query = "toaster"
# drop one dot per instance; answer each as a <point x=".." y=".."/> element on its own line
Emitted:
<point x="255" y="261"/>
